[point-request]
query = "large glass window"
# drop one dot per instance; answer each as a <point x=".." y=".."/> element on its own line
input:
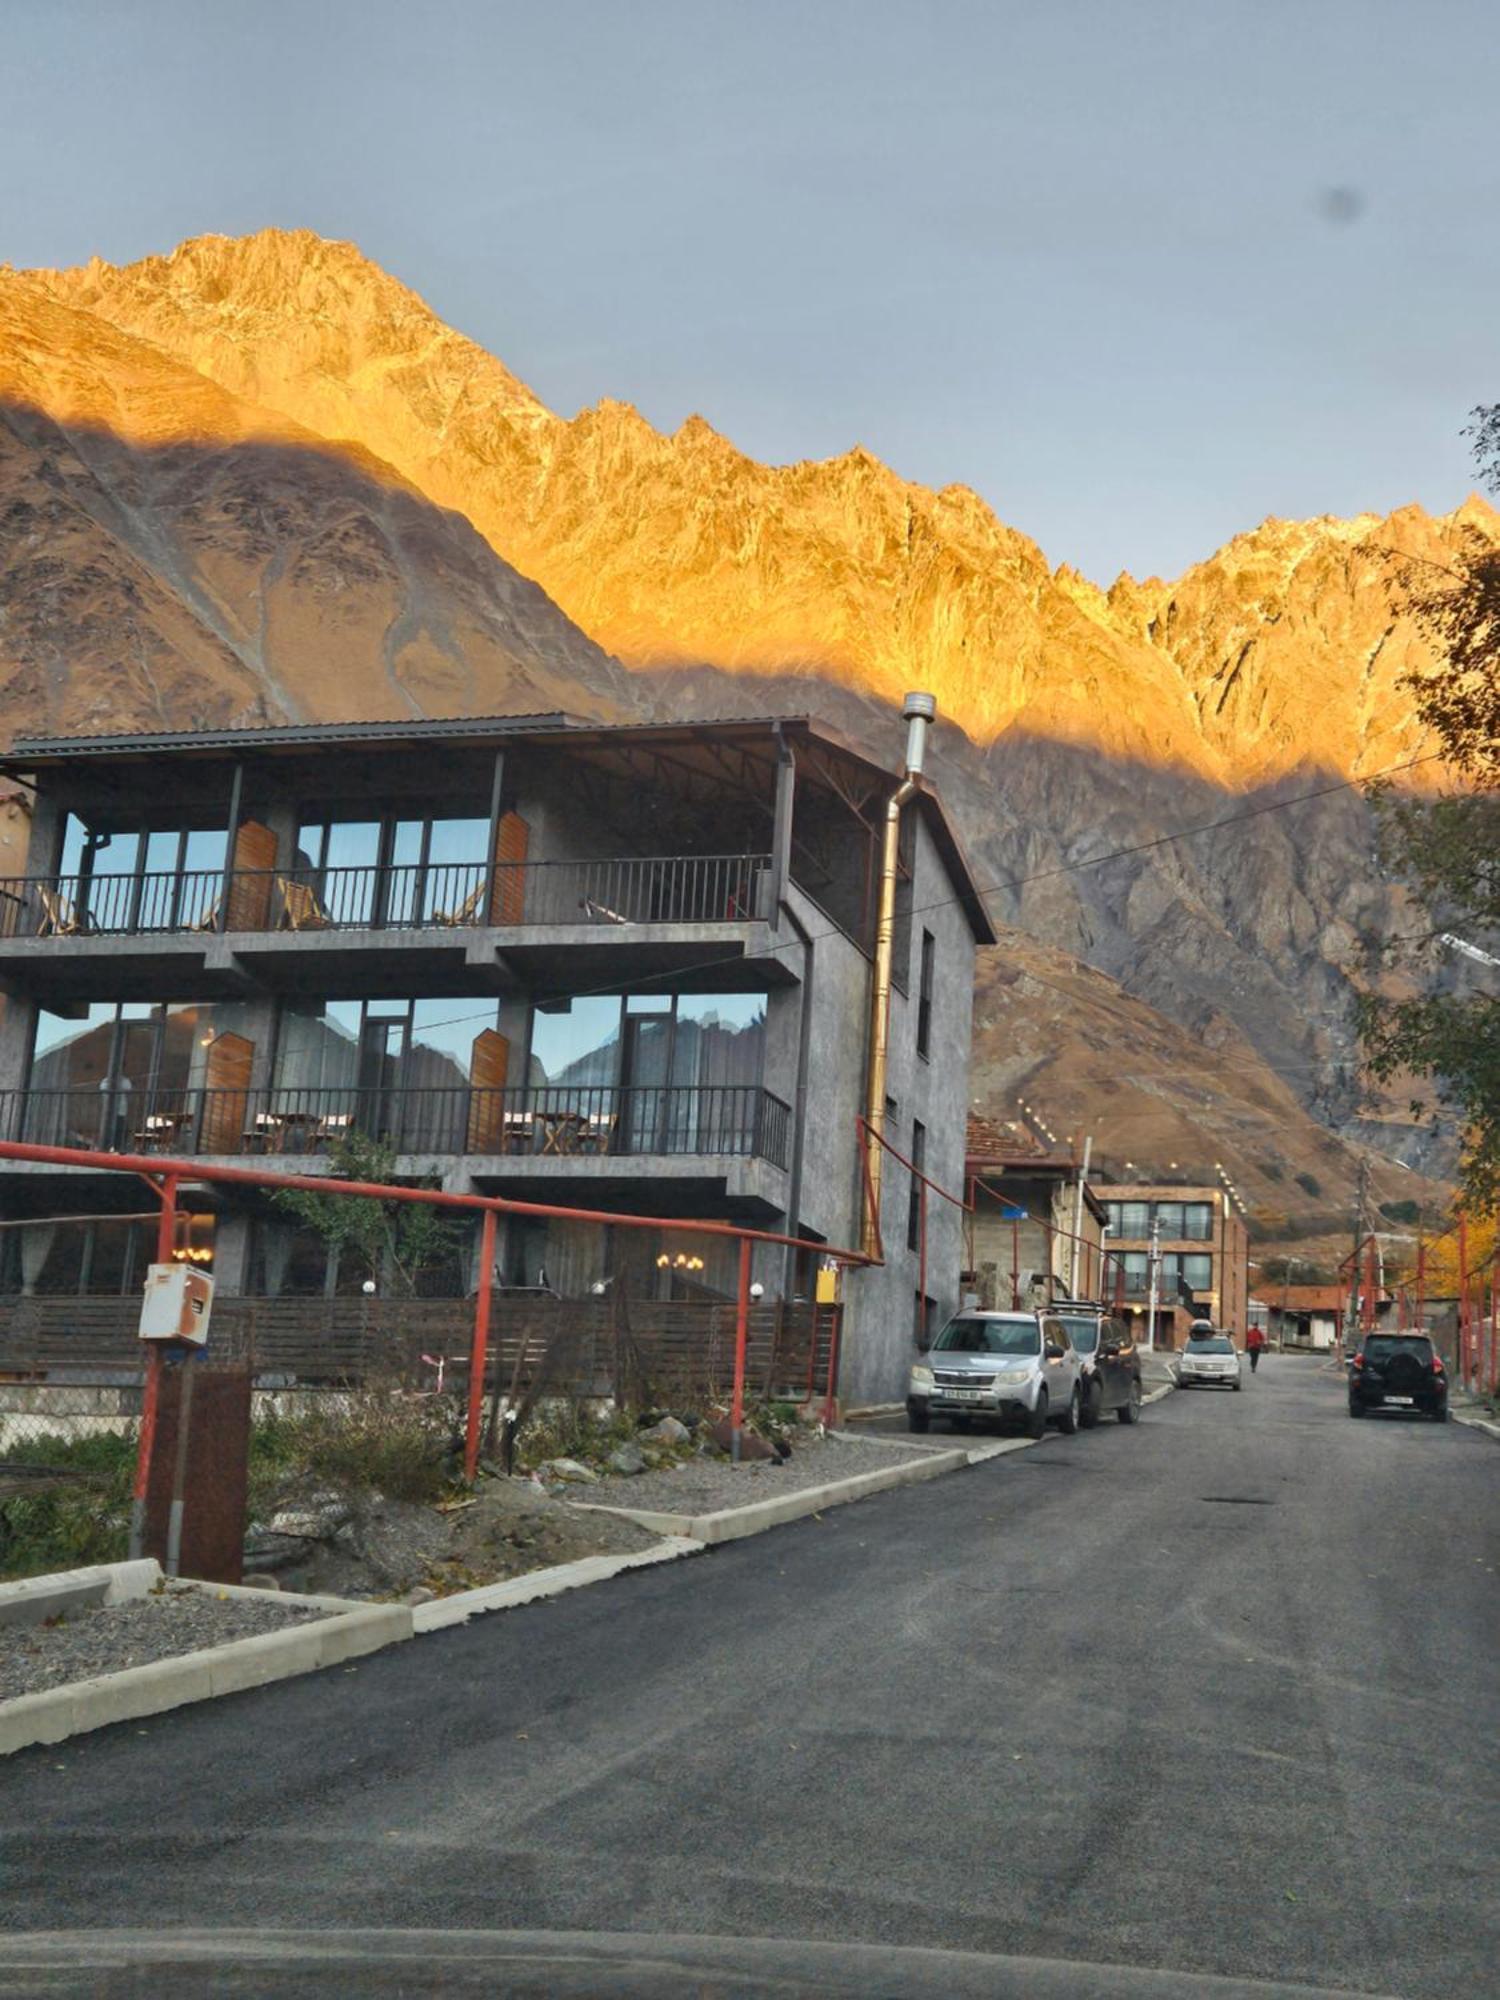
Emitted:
<point x="654" y="1072"/>
<point x="1198" y="1221"/>
<point x="399" y="870"/>
<point x="131" y="1075"/>
<point x="168" y="878"/>
<point x="398" y="1070"/>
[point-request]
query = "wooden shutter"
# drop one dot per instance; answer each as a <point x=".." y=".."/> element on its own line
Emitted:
<point x="250" y="883"/>
<point x="226" y="1103"/>
<point x="489" y="1066"/>
<point x="508" y="892"/>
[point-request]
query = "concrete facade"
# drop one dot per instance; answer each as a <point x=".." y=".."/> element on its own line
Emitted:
<point x="652" y="819"/>
<point x="1226" y="1245"/>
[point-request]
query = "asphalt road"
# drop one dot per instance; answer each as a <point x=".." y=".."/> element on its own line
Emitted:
<point x="1216" y="1695"/>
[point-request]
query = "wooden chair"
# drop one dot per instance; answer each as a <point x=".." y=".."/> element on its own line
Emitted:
<point x="59" y="918"/>
<point x="467" y="911"/>
<point x="598" y="1133"/>
<point x="300" y="908"/>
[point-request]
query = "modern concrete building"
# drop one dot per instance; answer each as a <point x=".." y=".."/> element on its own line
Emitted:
<point x="1204" y="1250"/>
<point x="623" y="968"/>
<point x="1037" y="1229"/>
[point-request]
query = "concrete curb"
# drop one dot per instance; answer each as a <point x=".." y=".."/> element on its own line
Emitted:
<point x="1477" y="1423"/>
<point x="443" y="1612"/>
<point x="53" y="1714"/>
<point x="731" y="1523"/>
<point x="1156" y="1395"/>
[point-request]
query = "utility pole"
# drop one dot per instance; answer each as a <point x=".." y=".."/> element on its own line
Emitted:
<point x="1155" y="1256"/>
<point x="1352" y="1328"/>
<point x="1088" y="1150"/>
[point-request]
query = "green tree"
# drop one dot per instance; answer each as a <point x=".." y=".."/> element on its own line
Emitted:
<point x="1448" y="847"/>
<point x="393" y="1242"/>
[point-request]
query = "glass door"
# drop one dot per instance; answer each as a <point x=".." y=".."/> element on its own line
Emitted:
<point x="646" y="1074"/>
<point x="382" y="1053"/>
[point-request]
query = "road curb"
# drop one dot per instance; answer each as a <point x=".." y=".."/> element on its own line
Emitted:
<point x="731" y="1524"/>
<point x="444" y="1612"/>
<point x="1477" y="1423"/>
<point x="53" y="1714"/>
<point x="1156" y="1395"/>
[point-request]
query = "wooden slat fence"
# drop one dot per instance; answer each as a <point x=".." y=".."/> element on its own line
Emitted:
<point x="678" y="1351"/>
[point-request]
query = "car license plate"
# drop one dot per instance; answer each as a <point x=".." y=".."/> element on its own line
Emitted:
<point x="1399" y="1399"/>
<point x="961" y="1395"/>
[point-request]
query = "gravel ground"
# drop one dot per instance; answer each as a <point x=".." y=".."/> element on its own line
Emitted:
<point x="705" y="1485"/>
<point x="107" y="1638"/>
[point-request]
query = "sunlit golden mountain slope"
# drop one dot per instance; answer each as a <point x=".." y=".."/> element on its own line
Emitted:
<point x="678" y="549"/>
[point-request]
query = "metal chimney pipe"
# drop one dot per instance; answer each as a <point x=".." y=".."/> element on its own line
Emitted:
<point x="918" y="710"/>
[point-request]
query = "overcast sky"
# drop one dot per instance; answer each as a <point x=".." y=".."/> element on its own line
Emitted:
<point x="1141" y="273"/>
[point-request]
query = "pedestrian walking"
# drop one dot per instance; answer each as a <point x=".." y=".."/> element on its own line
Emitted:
<point x="1255" y="1343"/>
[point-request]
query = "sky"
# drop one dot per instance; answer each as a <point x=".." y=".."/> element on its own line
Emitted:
<point x="1141" y="273"/>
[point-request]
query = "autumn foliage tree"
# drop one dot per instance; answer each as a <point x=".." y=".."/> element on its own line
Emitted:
<point x="1448" y="848"/>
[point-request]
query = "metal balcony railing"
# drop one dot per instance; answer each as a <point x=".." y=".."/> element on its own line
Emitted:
<point x="642" y="1121"/>
<point x="619" y="890"/>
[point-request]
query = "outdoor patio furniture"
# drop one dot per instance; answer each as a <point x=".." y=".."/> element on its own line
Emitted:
<point x="159" y="1132"/>
<point x="59" y="918"/>
<point x="560" y="1130"/>
<point x="333" y="1125"/>
<point x="300" y="908"/>
<point x="518" y="1132"/>
<point x="467" y="911"/>
<point x="598" y="1133"/>
<point x="601" y="912"/>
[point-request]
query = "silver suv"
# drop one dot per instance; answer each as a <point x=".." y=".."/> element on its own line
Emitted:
<point x="1019" y="1366"/>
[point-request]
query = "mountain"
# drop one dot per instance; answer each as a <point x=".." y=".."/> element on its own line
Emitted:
<point x="1079" y="722"/>
<point x="170" y="551"/>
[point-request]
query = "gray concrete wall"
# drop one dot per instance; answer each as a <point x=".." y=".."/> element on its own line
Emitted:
<point x="880" y="1337"/>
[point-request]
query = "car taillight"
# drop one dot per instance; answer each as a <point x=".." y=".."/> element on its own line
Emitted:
<point x="1437" y="1366"/>
<point x="1358" y="1361"/>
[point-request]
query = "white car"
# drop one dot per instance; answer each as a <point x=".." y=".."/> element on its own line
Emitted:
<point x="1209" y="1361"/>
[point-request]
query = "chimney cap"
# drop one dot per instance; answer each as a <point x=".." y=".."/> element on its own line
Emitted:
<point x="915" y="706"/>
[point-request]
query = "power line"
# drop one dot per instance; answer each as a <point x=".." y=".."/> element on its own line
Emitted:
<point x="1005" y="887"/>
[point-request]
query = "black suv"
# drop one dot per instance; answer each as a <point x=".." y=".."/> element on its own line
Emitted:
<point x="1401" y="1370"/>
<point x="1111" y="1376"/>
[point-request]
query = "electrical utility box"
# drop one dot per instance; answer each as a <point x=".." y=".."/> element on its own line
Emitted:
<point x="826" y="1285"/>
<point x="177" y="1304"/>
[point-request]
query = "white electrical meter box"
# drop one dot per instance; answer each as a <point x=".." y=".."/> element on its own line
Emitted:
<point x="177" y="1304"/>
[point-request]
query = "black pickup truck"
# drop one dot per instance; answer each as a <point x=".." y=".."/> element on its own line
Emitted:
<point x="1111" y="1378"/>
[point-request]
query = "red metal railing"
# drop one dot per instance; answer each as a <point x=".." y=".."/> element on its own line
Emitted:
<point x="164" y="1177"/>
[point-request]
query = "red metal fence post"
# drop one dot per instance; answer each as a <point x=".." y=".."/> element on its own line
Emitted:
<point x="166" y="1233"/>
<point x="741" y="1339"/>
<point x="478" y="1354"/>
<point x="1464" y="1330"/>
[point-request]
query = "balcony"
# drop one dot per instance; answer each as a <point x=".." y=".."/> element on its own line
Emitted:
<point x="551" y="1123"/>
<point x="619" y="890"/>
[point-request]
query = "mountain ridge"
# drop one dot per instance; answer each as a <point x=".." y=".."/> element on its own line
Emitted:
<point x="385" y="476"/>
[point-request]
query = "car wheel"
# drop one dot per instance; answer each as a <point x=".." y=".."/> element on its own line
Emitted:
<point x="1036" y="1420"/>
<point x="1067" y="1423"/>
<point x="1093" y="1408"/>
<point x="1129" y="1411"/>
<point x="1440" y="1414"/>
<point x="917" y="1421"/>
<point x="1356" y="1409"/>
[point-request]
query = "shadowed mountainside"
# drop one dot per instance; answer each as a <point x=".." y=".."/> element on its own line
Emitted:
<point x="237" y="482"/>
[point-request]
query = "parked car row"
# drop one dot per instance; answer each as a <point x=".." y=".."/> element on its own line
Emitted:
<point x="1068" y="1365"/>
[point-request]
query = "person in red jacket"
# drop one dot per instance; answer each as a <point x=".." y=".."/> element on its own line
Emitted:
<point x="1255" y="1342"/>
